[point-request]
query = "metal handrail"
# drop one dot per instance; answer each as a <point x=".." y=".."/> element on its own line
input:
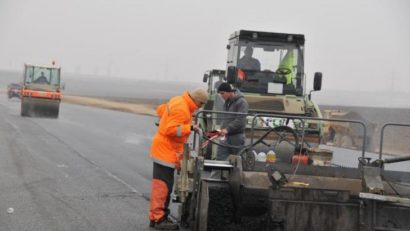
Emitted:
<point x="302" y="118"/>
<point x="382" y="135"/>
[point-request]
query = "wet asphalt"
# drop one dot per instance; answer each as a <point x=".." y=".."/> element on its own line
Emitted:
<point x="87" y="170"/>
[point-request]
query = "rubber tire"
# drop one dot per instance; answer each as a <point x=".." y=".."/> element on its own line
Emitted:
<point x="56" y="112"/>
<point x="24" y="108"/>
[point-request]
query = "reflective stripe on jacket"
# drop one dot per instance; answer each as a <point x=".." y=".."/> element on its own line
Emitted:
<point x="173" y="130"/>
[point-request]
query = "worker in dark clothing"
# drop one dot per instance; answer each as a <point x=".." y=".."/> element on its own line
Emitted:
<point x="247" y="62"/>
<point x="41" y="79"/>
<point x="174" y="128"/>
<point x="233" y="126"/>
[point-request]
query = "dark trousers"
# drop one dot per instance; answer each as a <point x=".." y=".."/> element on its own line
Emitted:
<point x="161" y="188"/>
<point x="237" y="140"/>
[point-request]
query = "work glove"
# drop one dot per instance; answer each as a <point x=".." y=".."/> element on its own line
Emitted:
<point x="195" y="127"/>
<point x="178" y="165"/>
<point x="213" y="133"/>
<point x="224" y="132"/>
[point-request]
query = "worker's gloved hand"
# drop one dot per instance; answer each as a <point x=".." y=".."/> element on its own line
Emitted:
<point x="224" y="132"/>
<point x="195" y="127"/>
<point x="178" y="165"/>
<point x="213" y="133"/>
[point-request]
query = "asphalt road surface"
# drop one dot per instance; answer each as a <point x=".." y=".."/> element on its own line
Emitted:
<point x="87" y="170"/>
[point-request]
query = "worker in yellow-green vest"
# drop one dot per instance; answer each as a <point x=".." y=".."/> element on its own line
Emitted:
<point x="286" y="66"/>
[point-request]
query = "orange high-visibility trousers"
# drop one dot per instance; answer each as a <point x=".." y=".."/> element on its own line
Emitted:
<point x="161" y="188"/>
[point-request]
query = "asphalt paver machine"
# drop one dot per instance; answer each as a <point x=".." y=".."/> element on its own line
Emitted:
<point x="297" y="186"/>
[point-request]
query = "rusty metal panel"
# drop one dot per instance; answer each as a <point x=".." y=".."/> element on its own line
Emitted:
<point x="312" y="209"/>
<point x="391" y="217"/>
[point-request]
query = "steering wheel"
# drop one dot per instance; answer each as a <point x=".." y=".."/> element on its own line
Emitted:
<point x="283" y="71"/>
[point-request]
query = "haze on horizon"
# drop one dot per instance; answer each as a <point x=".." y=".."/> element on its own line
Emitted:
<point x="359" y="45"/>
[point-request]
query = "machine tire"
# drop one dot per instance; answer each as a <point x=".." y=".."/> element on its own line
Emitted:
<point x="56" y="112"/>
<point x="346" y="142"/>
<point x="24" y="108"/>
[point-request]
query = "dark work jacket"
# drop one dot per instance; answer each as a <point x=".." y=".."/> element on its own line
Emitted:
<point x="235" y="124"/>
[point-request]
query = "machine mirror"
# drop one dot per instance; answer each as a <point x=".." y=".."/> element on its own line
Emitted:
<point x="231" y="75"/>
<point x="317" y="82"/>
<point x="205" y="78"/>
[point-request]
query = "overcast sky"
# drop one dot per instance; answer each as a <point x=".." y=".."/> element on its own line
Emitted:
<point x="357" y="44"/>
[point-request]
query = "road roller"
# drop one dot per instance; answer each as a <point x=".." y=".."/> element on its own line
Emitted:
<point x="40" y="91"/>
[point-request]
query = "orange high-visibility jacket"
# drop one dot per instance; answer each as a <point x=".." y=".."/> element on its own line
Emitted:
<point x="173" y="130"/>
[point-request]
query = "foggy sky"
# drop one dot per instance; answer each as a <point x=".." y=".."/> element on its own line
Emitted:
<point x="357" y="44"/>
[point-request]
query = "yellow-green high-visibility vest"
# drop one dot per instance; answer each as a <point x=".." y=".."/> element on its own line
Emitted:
<point x="288" y="62"/>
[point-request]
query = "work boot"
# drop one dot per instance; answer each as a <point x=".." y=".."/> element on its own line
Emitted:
<point x="165" y="224"/>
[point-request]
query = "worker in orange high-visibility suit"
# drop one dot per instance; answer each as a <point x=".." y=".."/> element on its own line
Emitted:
<point x="174" y="128"/>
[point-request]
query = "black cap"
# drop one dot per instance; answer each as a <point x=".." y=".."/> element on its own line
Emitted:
<point x="225" y="87"/>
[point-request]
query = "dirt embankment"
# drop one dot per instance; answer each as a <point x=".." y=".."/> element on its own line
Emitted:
<point x="142" y="107"/>
<point x="396" y="138"/>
